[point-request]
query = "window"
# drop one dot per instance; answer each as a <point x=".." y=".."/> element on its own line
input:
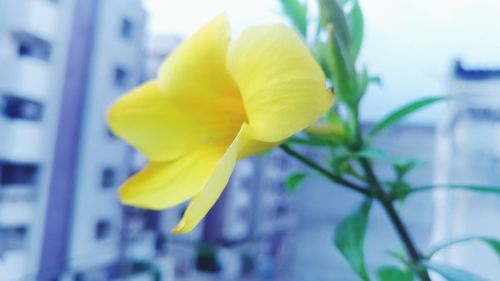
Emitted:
<point x="17" y="173"/>
<point x="13" y="238"/>
<point x="20" y="108"/>
<point x="121" y="77"/>
<point x="127" y="29"/>
<point x="79" y="276"/>
<point x="102" y="229"/>
<point x="31" y="46"/>
<point x="108" y="178"/>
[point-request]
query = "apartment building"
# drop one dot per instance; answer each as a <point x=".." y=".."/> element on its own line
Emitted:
<point x="469" y="152"/>
<point x="63" y="63"/>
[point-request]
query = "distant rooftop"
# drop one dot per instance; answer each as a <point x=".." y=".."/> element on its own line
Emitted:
<point x="474" y="73"/>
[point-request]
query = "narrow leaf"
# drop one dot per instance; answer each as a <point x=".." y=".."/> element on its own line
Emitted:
<point x="349" y="238"/>
<point x="453" y="274"/>
<point x="340" y="59"/>
<point x="333" y="13"/>
<point x="403" y="112"/>
<point x="470" y="187"/>
<point x="402" y="165"/>
<point x="356" y="25"/>
<point x="491" y="242"/>
<point x="294" y="180"/>
<point x="343" y="74"/>
<point x="322" y="54"/>
<point x="392" y="273"/>
<point x="297" y="13"/>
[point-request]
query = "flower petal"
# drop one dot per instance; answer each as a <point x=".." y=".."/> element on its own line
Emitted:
<point x="155" y="125"/>
<point x="165" y="184"/>
<point x="283" y="88"/>
<point x="249" y="146"/>
<point x="203" y="202"/>
<point x="165" y="128"/>
<point x="197" y="68"/>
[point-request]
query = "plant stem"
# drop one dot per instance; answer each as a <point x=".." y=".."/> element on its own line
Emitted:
<point x="395" y="219"/>
<point x="333" y="177"/>
<point x="387" y="203"/>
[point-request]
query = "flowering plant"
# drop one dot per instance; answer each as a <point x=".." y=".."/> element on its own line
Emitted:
<point x="217" y="100"/>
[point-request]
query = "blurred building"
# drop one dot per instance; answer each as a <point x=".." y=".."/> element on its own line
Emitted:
<point x="469" y="153"/>
<point x="33" y="51"/>
<point x="63" y="63"/>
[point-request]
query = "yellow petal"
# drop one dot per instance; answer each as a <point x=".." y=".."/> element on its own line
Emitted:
<point x="165" y="184"/>
<point x="203" y="202"/>
<point x="283" y="88"/>
<point x="249" y="146"/>
<point x="197" y="68"/>
<point x="165" y="128"/>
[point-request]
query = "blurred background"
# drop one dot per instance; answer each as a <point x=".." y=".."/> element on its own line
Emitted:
<point x="63" y="62"/>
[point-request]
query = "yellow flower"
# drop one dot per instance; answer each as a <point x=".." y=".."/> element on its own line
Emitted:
<point x="214" y="102"/>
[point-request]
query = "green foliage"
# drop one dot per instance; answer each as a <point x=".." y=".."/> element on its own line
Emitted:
<point x="493" y="243"/>
<point x="350" y="236"/>
<point x="356" y="25"/>
<point x="495" y="190"/>
<point x="404" y="166"/>
<point x="294" y="180"/>
<point x="393" y="273"/>
<point x="347" y="19"/>
<point x="321" y="52"/>
<point x="297" y="12"/>
<point x="453" y="274"/>
<point x="337" y="45"/>
<point x="342" y="50"/>
<point x="402" y="113"/>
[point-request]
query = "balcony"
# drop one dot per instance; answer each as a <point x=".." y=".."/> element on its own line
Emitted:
<point x="16" y="208"/>
<point x="24" y="141"/>
<point x="26" y="77"/>
<point x="13" y="265"/>
<point x="35" y="17"/>
<point x="18" y="193"/>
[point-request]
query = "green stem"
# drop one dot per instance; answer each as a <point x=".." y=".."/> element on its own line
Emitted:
<point x="395" y="219"/>
<point x="333" y="177"/>
<point x="391" y="211"/>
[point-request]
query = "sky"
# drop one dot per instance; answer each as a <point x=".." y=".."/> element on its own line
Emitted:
<point x="410" y="44"/>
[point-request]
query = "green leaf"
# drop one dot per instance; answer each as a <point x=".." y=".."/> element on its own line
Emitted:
<point x="343" y="73"/>
<point x="403" y="167"/>
<point x="392" y="273"/>
<point x="294" y="180"/>
<point x="322" y="55"/>
<point x="363" y="81"/>
<point x="332" y="12"/>
<point x="349" y="238"/>
<point x="356" y="25"/>
<point x="399" y="256"/>
<point x="403" y="112"/>
<point x="453" y="274"/>
<point x="297" y="13"/>
<point x="340" y="60"/>
<point x="491" y="242"/>
<point x="347" y="19"/>
<point x="470" y="187"/>
<point x="400" y="189"/>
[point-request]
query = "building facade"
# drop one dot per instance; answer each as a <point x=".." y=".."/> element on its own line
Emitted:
<point x="33" y="48"/>
<point x="63" y="63"/>
<point x="469" y="153"/>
